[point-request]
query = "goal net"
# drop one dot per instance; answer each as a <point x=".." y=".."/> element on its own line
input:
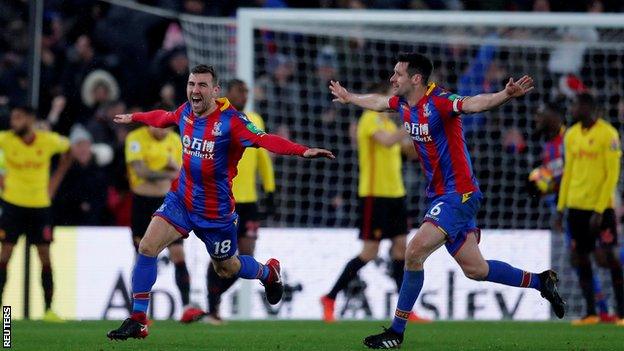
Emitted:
<point x="288" y="57"/>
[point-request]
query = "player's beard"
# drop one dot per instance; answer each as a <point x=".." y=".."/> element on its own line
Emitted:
<point x="21" y="132"/>
<point x="200" y="107"/>
<point x="398" y="91"/>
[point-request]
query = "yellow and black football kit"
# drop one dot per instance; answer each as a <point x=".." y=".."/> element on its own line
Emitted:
<point x="590" y="175"/>
<point x="383" y="212"/>
<point x="253" y="161"/>
<point x="25" y="197"/>
<point x="155" y="154"/>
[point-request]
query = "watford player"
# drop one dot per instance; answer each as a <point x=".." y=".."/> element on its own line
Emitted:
<point x="254" y="161"/>
<point x="591" y="171"/>
<point x="25" y="197"/>
<point x="383" y="208"/>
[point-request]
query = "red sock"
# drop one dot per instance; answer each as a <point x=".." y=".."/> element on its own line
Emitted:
<point x="139" y="317"/>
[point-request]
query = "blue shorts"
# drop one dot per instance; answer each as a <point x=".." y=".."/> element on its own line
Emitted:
<point x="218" y="236"/>
<point x="455" y="214"/>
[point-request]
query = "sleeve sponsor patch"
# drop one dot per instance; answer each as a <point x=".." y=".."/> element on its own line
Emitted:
<point x="252" y="128"/>
<point x="135" y="146"/>
<point x="614" y="145"/>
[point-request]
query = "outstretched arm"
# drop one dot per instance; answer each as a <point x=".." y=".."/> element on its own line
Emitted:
<point x="156" y="118"/>
<point x="375" y="102"/>
<point x="282" y="146"/>
<point x="484" y="102"/>
<point x="249" y="135"/>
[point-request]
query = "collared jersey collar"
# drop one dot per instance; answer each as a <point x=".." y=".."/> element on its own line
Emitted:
<point x="430" y="88"/>
<point x="222" y="105"/>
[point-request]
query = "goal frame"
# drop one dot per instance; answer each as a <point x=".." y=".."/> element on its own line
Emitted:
<point x="248" y="19"/>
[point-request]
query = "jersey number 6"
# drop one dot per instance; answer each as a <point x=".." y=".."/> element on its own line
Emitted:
<point x="435" y="210"/>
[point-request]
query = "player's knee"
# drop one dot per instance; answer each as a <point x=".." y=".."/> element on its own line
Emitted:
<point x="398" y="252"/>
<point x="475" y="273"/>
<point x="45" y="260"/>
<point x="225" y="271"/>
<point x="415" y="255"/>
<point x="148" y="249"/>
<point x="367" y="256"/>
<point x="413" y="261"/>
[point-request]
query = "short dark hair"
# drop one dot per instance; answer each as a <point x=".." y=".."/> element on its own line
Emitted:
<point x="26" y="109"/>
<point x="554" y="106"/>
<point x="417" y="64"/>
<point x="201" y="69"/>
<point x="586" y="99"/>
<point x="233" y="83"/>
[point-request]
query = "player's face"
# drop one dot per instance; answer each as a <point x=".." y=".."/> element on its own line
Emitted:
<point x="159" y="133"/>
<point x="201" y="92"/>
<point x="580" y="111"/>
<point x="545" y="120"/>
<point x="401" y="82"/>
<point x="238" y="95"/>
<point x="21" y="122"/>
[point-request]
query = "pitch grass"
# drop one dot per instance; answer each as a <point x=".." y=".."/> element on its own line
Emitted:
<point x="314" y="335"/>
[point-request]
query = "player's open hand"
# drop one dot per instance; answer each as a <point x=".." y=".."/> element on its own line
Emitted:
<point x="519" y="87"/>
<point x="340" y="93"/>
<point x="318" y="153"/>
<point x="124" y="118"/>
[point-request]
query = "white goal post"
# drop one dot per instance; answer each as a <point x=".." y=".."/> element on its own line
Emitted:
<point x="250" y="19"/>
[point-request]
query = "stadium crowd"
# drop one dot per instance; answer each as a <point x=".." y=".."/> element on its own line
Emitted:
<point x="99" y="60"/>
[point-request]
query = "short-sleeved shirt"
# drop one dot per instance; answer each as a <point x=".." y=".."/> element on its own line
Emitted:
<point x="592" y="167"/>
<point x="142" y="146"/>
<point x="28" y="167"/>
<point x="435" y="126"/>
<point x="380" y="166"/>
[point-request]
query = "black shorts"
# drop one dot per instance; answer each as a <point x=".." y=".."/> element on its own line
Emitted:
<point x="36" y="223"/>
<point x="248" y="220"/>
<point x="584" y="241"/>
<point x="143" y="207"/>
<point x="382" y="217"/>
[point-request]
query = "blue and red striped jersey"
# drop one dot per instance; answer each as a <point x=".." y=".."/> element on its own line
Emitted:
<point x="552" y="157"/>
<point x="435" y="126"/>
<point x="211" y="147"/>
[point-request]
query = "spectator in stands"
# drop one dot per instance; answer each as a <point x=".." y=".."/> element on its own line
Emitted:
<point x="101" y="125"/>
<point x="98" y="88"/>
<point x="81" y="60"/>
<point x="81" y="197"/>
<point x="171" y="67"/>
<point x="567" y="58"/>
<point x="483" y="75"/>
<point x="277" y="93"/>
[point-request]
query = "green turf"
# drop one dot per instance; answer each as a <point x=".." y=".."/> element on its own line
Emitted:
<point x="312" y="335"/>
